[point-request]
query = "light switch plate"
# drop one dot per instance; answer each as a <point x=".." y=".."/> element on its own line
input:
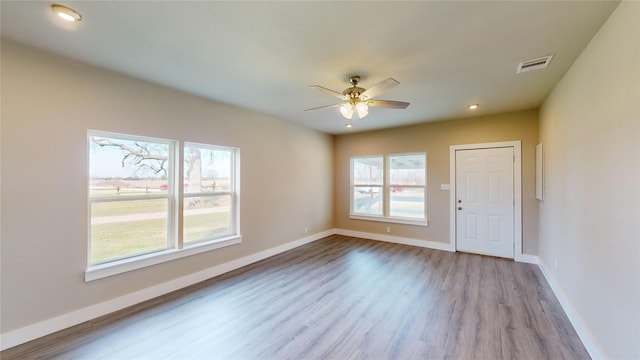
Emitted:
<point x="445" y="187"/>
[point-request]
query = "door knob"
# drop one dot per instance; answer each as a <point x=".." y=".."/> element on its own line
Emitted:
<point x="459" y="207"/>
<point x="459" y="201"/>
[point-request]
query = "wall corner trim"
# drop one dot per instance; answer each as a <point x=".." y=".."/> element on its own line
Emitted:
<point x="49" y="326"/>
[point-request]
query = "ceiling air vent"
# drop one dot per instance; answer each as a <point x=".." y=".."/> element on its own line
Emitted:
<point x="534" y="64"/>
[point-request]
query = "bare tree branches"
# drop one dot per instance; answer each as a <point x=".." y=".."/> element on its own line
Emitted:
<point x="142" y="155"/>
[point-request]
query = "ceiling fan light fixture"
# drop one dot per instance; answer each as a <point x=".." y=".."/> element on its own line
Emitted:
<point x="362" y="109"/>
<point x="346" y="110"/>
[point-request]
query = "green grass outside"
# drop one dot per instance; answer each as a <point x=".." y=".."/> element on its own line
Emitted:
<point x="116" y="240"/>
<point x="205" y="226"/>
<point x="128" y="207"/>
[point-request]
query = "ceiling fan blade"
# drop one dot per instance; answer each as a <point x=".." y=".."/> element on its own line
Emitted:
<point x="324" y="107"/>
<point x="329" y="92"/>
<point x="379" y="88"/>
<point x="389" y="104"/>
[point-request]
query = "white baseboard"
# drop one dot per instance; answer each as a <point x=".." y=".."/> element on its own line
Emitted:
<point x="529" y="259"/>
<point x="398" y="240"/>
<point x="49" y="326"/>
<point x="581" y="329"/>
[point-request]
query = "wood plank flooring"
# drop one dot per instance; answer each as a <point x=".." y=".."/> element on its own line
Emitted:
<point x="337" y="298"/>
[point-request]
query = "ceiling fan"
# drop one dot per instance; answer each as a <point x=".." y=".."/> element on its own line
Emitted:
<point x="359" y="99"/>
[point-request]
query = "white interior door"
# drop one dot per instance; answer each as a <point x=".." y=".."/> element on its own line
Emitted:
<point x="485" y="201"/>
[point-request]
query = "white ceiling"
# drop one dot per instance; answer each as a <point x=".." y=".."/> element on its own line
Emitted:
<point x="264" y="55"/>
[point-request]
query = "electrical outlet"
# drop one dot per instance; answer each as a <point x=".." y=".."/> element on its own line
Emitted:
<point x="306" y="230"/>
<point x="555" y="264"/>
<point x="388" y="229"/>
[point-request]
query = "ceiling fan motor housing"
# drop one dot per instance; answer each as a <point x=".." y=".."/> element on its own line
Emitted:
<point x="354" y="92"/>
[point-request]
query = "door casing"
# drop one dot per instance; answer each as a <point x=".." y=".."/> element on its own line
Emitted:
<point x="517" y="189"/>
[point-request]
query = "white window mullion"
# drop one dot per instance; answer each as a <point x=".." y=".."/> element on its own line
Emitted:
<point x="385" y="187"/>
<point x="178" y="198"/>
<point x="235" y="191"/>
<point x="234" y="214"/>
<point x="352" y="186"/>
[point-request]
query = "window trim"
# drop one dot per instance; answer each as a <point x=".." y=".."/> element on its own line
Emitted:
<point x="385" y="188"/>
<point x="175" y="247"/>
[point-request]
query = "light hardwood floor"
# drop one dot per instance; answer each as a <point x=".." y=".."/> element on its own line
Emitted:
<point x="338" y="298"/>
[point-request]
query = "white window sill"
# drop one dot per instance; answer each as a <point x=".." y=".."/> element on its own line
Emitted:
<point x="121" y="266"/>
<point x="395" y="220"/>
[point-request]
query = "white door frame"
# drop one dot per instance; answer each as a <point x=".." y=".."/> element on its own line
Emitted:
<point x="517" y="191"/>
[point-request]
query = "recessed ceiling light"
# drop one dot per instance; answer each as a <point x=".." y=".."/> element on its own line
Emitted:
<point x="348" y="126"/>
<point x="473" y="106"/>
<point x="66" y="13"/>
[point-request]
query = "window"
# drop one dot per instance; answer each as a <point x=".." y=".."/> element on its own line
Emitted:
<point x="208" y="192"/>
<point x="389" y="188"/>
<point x="129" y="211"/>
<point x="407" y="185"/>
<point x="140" y="195"/>
<point x="367" y="174"/>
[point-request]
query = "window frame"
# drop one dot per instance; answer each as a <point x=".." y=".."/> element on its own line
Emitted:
<point x="386" y="192"/>
<point x="353" y="186"/>
<point x="391" y="186"/>
<point x="175" y="247"/>
<point x="233" y="185"/>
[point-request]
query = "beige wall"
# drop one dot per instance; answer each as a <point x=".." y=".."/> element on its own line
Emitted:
<point x="590" y="217"/>
<point x="48" y="103"/>
<point x="435" y="139"/>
